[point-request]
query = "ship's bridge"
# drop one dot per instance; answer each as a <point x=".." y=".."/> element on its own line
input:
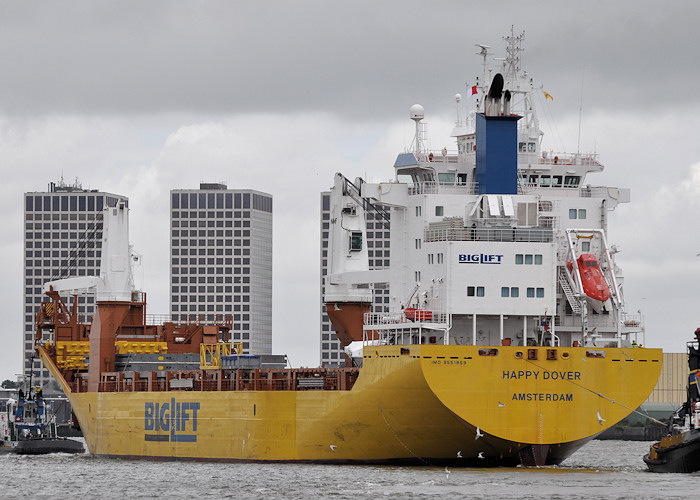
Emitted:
<point x="426" y="173"/>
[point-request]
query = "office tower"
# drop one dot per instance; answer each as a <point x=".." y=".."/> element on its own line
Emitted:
<point x="378" y="223"/>
<point x="62" y="238"/>
<point x="221" y="260"/>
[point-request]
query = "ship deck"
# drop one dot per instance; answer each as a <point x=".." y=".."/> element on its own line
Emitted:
<point x="289" y="379"/>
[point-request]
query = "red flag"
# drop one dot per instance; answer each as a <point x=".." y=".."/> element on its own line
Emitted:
<point x="474" y="90"/>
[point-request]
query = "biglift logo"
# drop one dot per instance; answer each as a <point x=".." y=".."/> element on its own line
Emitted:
<point x="480" y="258"/>
<point x="178" y="419"/>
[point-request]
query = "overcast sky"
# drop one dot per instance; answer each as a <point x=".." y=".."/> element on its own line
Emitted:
<point x="138" y="98"/>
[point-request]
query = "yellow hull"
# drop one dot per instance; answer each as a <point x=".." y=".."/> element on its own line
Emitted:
<point x="416" y="403"/>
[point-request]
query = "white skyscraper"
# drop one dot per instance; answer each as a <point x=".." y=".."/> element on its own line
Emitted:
<point x="221" y="260"/>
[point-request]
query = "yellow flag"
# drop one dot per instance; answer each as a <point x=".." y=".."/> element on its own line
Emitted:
<point x="547" y="96"/>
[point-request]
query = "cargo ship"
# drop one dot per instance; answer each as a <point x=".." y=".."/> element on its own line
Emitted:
<point x="498" y="348"/>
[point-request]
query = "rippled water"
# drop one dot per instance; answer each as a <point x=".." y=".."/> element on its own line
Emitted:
<point x="602" y="469"/>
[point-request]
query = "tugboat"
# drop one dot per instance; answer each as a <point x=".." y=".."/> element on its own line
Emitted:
<point x="680" y="450"/>
<point x="28" y="429"/>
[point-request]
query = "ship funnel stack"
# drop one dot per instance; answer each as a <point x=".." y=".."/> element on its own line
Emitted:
<point x="346" y="302"/>
<point x="493" y="98"/>
<point x="496" y="143"/>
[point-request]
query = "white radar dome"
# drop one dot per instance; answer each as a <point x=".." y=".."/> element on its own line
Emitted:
<point x="458" y="97"/>
<point x="416" y="112"/>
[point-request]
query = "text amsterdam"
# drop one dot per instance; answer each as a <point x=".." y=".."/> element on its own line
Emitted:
<point x="179" y="419"/>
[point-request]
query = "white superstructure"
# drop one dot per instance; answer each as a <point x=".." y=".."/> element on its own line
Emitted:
<point x="485" y="240"/>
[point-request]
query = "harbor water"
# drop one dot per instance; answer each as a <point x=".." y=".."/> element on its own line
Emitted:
<point x="601" y="469"/>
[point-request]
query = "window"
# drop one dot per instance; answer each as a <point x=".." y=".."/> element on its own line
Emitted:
<point x="355" y="241"/>
<point x="480" y="291"/>
<point x="439" y="211"/>
<point x="518" y="258"/>
<point x="586" y="246"/>
<point x="505" y="291"/>
<point x="446" y="178"/>
<point x="582" y="213"/>
<point x="418" y="245"/>
<point x="470" y="291"/>
<point x="417" y="276"/>
<point x="538" y="259"/>
<point x="572" y="213"/>
<point x="514" y="291"/>
<point x="530" y="292"/>
<point x="528" y="259"/>
<point x="571" y="181"/>
<point x="540" y="293"/>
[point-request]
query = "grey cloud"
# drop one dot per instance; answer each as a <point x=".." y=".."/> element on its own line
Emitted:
<point x="351" y="58"/>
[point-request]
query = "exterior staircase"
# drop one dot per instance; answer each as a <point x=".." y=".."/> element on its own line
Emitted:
<point x="569" y="292"/>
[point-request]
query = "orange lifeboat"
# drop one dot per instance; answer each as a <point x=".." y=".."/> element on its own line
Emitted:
<point x="418" y="314"/>
<point x="594" y="284"/>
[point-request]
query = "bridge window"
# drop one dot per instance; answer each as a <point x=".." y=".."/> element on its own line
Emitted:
<point x="439" y="210"/>
<point x="446" y="178"/>
<point x="571" y="181"/>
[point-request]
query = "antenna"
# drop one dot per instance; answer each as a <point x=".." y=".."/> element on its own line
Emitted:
<point x="580" y="112"/>
<point x="458" y="99"/>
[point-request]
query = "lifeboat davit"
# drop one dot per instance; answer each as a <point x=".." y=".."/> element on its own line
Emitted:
<point x="594" y="285"/>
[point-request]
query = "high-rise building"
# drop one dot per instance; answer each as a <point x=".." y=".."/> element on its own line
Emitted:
<point x="221" y="260"/>
<point x="379" y="255"/>
<point x="62" y="238"/>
